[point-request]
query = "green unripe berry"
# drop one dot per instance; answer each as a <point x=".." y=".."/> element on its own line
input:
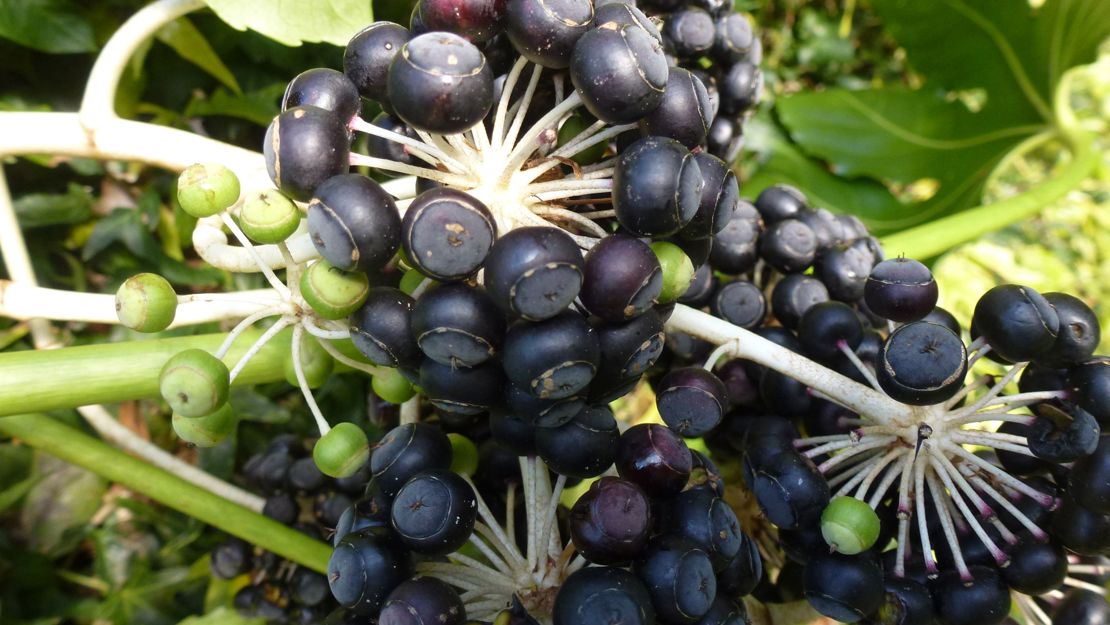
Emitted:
<point x="410" y="281"/>
<point x="206" y="430"/>
<point x="464" y="458"/>
<point x="146" y="302"/>
<point x="332" y="292"/>
<point x="678" y="270"/>
<point x="570" y="130"/>
<point x="342" y="451"/>
<point x="391" y="386"/>
<point x="269" y="217"/>
<point x="206" y="189"/>
<point x="849" y="525"/>
<point x="194" y="383"/>
<point x="316" y="363"/>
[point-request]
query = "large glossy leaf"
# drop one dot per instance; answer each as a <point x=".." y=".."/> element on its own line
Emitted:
<point x="901" y="136"/>
<point x="1014" y="52"/>
<point x="293" y="22"/>
<point x="56" y="26"/>
<point x="781" y="161"/>
<point x="930" y="148"/>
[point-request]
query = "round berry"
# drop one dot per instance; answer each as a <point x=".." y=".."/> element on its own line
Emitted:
<point x="304" y="146"/>
<point x="434" y="512"/>
<point x="900" y="289"/>
<point x="369" y="54"/>
<point x="323" y="88"/>
<point x="146" y="302"/>
<point x="677" y="270"/>
<point x="354" y="223"/>
<point x="206" y="189"/>
<point x="849" y="525"/>
<point x="194" y="383"/>
<point x="447" y="233"/>
<point x="534" y="273"/>
<point x="206" y="430"/>
<point x="546" y="31"/>
<point x="1017" y="322"/>
<point x="269" y="217"/>
<point x="331" y="292"/>
<point x="657" y="187"/>
<point x="342" y="451"/>
<point x="620" y="71"/>
<point x="622" y="278"/>
<point x="440" y="82"/>
<point x="922" y="363"/>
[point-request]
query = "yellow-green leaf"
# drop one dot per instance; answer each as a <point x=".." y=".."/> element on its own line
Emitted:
<point x="293" y="23"/>
<point x="190" y="44"/>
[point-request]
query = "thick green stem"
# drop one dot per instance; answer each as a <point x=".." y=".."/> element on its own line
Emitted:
<point x="37" y="381"/>
<point x="69" y="444"/>
<point x="932" y="239"/>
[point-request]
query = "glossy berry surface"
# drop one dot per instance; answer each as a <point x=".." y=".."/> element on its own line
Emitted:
<point x="447" y="233"/>
<point x="434" y="512"/>
<point x="657" y="187"/>
<point x="304" y="146"/>
<point x="534" y="272"/>
<point x="440" y="82"/>
<point x="354" y="223"/>
<point x="611" y="522"/>
<point x="323" y="88"/>
<point x="922" y="363"/>
<point x="620" y="71"/>
<point x="901" y="289"/>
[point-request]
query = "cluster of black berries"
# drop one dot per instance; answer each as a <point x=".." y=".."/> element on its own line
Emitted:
<point x="656" y="542"/>
<point x="772" y="263"/>
<point x="296" y="494"/>
<point x="818" y="285"/>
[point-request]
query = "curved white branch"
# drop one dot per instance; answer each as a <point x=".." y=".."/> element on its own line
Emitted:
<point x="116" y="433"/>
<point x="124" y="140"/>
<point x="20" y="300"/>
<point x="863" y="400"/>
<point x="98" y="103"/>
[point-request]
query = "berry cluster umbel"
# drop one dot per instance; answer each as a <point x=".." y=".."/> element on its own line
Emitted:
<point x="559" y="195"/>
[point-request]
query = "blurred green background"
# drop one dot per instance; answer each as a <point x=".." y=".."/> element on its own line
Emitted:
<point x="904" y="113"/>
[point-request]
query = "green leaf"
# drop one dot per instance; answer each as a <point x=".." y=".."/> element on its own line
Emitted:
<point x="61" y="503"/>
<point x="294" y="23"/>
<point x="126" y="226"/>
<point x="55" y="26"/>
<point x="783" y="162"/>
<point x="1014" y="52"/>
<point x="11" y="495"/>
<point x="903" y="137"/>
<point x="222" y="616"/>
<point x="36" y="210"/>
<point x="258" y="107"/>
<point x="191" y="45"/>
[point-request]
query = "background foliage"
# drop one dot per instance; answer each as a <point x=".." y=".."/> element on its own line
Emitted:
<point x="899" y="111"/>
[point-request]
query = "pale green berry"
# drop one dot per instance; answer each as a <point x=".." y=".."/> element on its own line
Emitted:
<point x="269" y="217"/>
<point x="206" y="189"/>
<point x="849" y="525"/>
<point x="393" y="387"/>
<point x="410" y="280"/>
<point x="206" y="430"/>
<point x="146" y="302"/>
<point x="194" y="383"/>
<point x="569" y="131"/>
<point x="316" y="363"/>
<point x="678" y="270"/>
<point x="332" y="292"/>
<point x="464" y="458"/>
<point x="342" y="451"/>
